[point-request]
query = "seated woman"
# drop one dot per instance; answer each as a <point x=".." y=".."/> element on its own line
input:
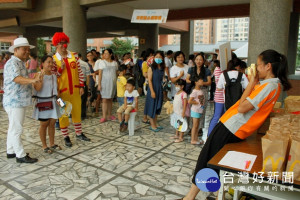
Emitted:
<point x="249" y="113"/>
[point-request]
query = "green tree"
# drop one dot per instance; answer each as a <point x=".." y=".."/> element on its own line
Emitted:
<point x="120" y="47"/>
<point x="41" y="48"/>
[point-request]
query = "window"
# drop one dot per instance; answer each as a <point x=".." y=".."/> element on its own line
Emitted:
<point x="89" y="48"/>
<point x="90" y="41"/>
<point x="4" y="46"/>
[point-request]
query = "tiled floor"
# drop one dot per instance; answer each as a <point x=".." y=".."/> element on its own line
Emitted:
<point x="112" y="166"/>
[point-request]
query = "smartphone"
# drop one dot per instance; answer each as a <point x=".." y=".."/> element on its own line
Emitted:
<point x="60" y="102"/>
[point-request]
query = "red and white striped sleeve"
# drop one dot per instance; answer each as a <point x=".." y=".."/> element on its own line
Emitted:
<point x="80" y="73"/>
<point x="55" y="69"/>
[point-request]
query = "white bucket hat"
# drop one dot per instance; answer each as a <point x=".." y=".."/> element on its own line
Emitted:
<point x="20" y="42"/>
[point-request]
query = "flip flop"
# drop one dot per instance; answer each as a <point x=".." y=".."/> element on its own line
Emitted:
<point x="154" y="130"/>
<point x="160" y="127"/>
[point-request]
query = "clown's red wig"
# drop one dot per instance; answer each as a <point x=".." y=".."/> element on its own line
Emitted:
<point x="58" y="37"/>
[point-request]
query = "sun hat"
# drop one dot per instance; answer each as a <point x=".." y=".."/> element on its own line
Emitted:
<point x="20" y="42"/>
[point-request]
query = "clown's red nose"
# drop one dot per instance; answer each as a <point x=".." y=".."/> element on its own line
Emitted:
<point x="65" y="45"/>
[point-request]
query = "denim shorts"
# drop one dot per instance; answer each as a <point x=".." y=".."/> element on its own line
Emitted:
<point x="120" y="100"/>
<point x="195" y="115"/>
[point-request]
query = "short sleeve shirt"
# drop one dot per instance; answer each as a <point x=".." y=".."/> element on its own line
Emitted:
<point x="121" y="83"/>
<point x="263" y="97"/>
<point x="175" y="71"/>
<point x="84" y="68"/>
<point x="207" y="73"/>
<point x="145" y="67"/>
<point x="178" y="102"/>
<point x="232" y="74"/>
<point x="15" y="95"/>
<point x="130" y="97"/>
<point x="196" y="94"/>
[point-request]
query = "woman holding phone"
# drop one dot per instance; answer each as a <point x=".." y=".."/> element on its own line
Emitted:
<point x="46" y="110"/>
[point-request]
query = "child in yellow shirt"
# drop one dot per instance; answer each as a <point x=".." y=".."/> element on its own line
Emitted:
<point x="121" y="84"/>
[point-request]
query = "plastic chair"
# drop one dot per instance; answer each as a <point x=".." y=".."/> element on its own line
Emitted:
<point x="131" y="122"/>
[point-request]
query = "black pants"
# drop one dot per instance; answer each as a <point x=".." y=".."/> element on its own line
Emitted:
<point x="94" y="94"/>
<point x="215" y="142"/>
<point x="83" y="101"/>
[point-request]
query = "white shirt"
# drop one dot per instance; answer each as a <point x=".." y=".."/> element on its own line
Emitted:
<point x="130" y="97"/>
<point x="232" y="74"/>
<point x="175" y="72"/>
<point x="178" y="103"/>
<point x="101" y="64"/>
<point x="84" y="68"/>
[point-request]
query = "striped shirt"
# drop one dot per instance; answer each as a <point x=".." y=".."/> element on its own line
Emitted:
<point x="219" y="94"/>
<point x="263" y="98"/>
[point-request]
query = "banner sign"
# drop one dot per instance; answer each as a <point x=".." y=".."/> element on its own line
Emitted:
<point x="225" y="55"/>
<point x="150" y="16"/>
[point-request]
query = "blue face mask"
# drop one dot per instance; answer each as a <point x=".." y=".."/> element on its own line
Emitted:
<point x="158" y="60"/>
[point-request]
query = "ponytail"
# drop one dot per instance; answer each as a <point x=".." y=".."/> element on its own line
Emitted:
<point x="279" y="66"/>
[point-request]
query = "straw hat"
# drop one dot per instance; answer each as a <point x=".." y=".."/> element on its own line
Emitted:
<point x="20" y="42"/>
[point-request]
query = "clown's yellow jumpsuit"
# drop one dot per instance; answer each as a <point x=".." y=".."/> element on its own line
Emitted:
<point x="70" y="80"/>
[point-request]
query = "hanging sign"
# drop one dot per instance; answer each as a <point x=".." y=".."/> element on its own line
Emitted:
<point x="150" y="16"/>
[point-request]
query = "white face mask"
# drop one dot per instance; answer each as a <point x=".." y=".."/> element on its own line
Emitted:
<point x="177" y="89"/>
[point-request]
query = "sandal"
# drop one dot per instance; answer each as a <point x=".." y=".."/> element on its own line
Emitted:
<point x="160" y="127"/>
<point x="178" y="140"/>
<point x="154" y="130"/>
<point x="146" y="122"/>
<point x="102" y="120"/>
<point x="48" y="150"/>
<point x="112" y="118"/>
<point x="54" y="147"/>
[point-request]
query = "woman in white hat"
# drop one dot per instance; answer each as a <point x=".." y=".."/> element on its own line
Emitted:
<point x="17" y="96"/>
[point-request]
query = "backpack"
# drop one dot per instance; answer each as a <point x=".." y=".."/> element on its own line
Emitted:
<point x="233" y="90"/>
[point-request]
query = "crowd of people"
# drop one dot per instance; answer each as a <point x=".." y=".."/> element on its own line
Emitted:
<point x="241" y="102"/>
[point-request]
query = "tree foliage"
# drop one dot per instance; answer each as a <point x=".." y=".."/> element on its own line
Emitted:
<point x="41" y="48"/>
<point x="120" y="47"/>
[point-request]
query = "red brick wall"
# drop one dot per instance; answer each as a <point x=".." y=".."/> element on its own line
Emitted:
<point x="163" y="40"/>
<point x="295" y="90"/>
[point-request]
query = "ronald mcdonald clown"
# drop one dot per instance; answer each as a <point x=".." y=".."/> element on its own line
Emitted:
<point x="70" y="84"/>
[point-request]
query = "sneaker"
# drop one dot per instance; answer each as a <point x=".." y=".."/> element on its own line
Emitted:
<point x="121" y="127"/>
<point x="124" y="128"/>
<point x="26" y="159"/>
<point x="68" y="142"/>
<point x="82" y="137"/>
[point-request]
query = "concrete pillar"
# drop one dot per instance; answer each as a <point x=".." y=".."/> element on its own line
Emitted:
<point x="148" y="37"/>
<point x="74" y="25"/>
<point x="187" y="41"/>
<point x="269" y="26"/>
<point x="33" y="41"/>
<point x="293" y="42"/>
